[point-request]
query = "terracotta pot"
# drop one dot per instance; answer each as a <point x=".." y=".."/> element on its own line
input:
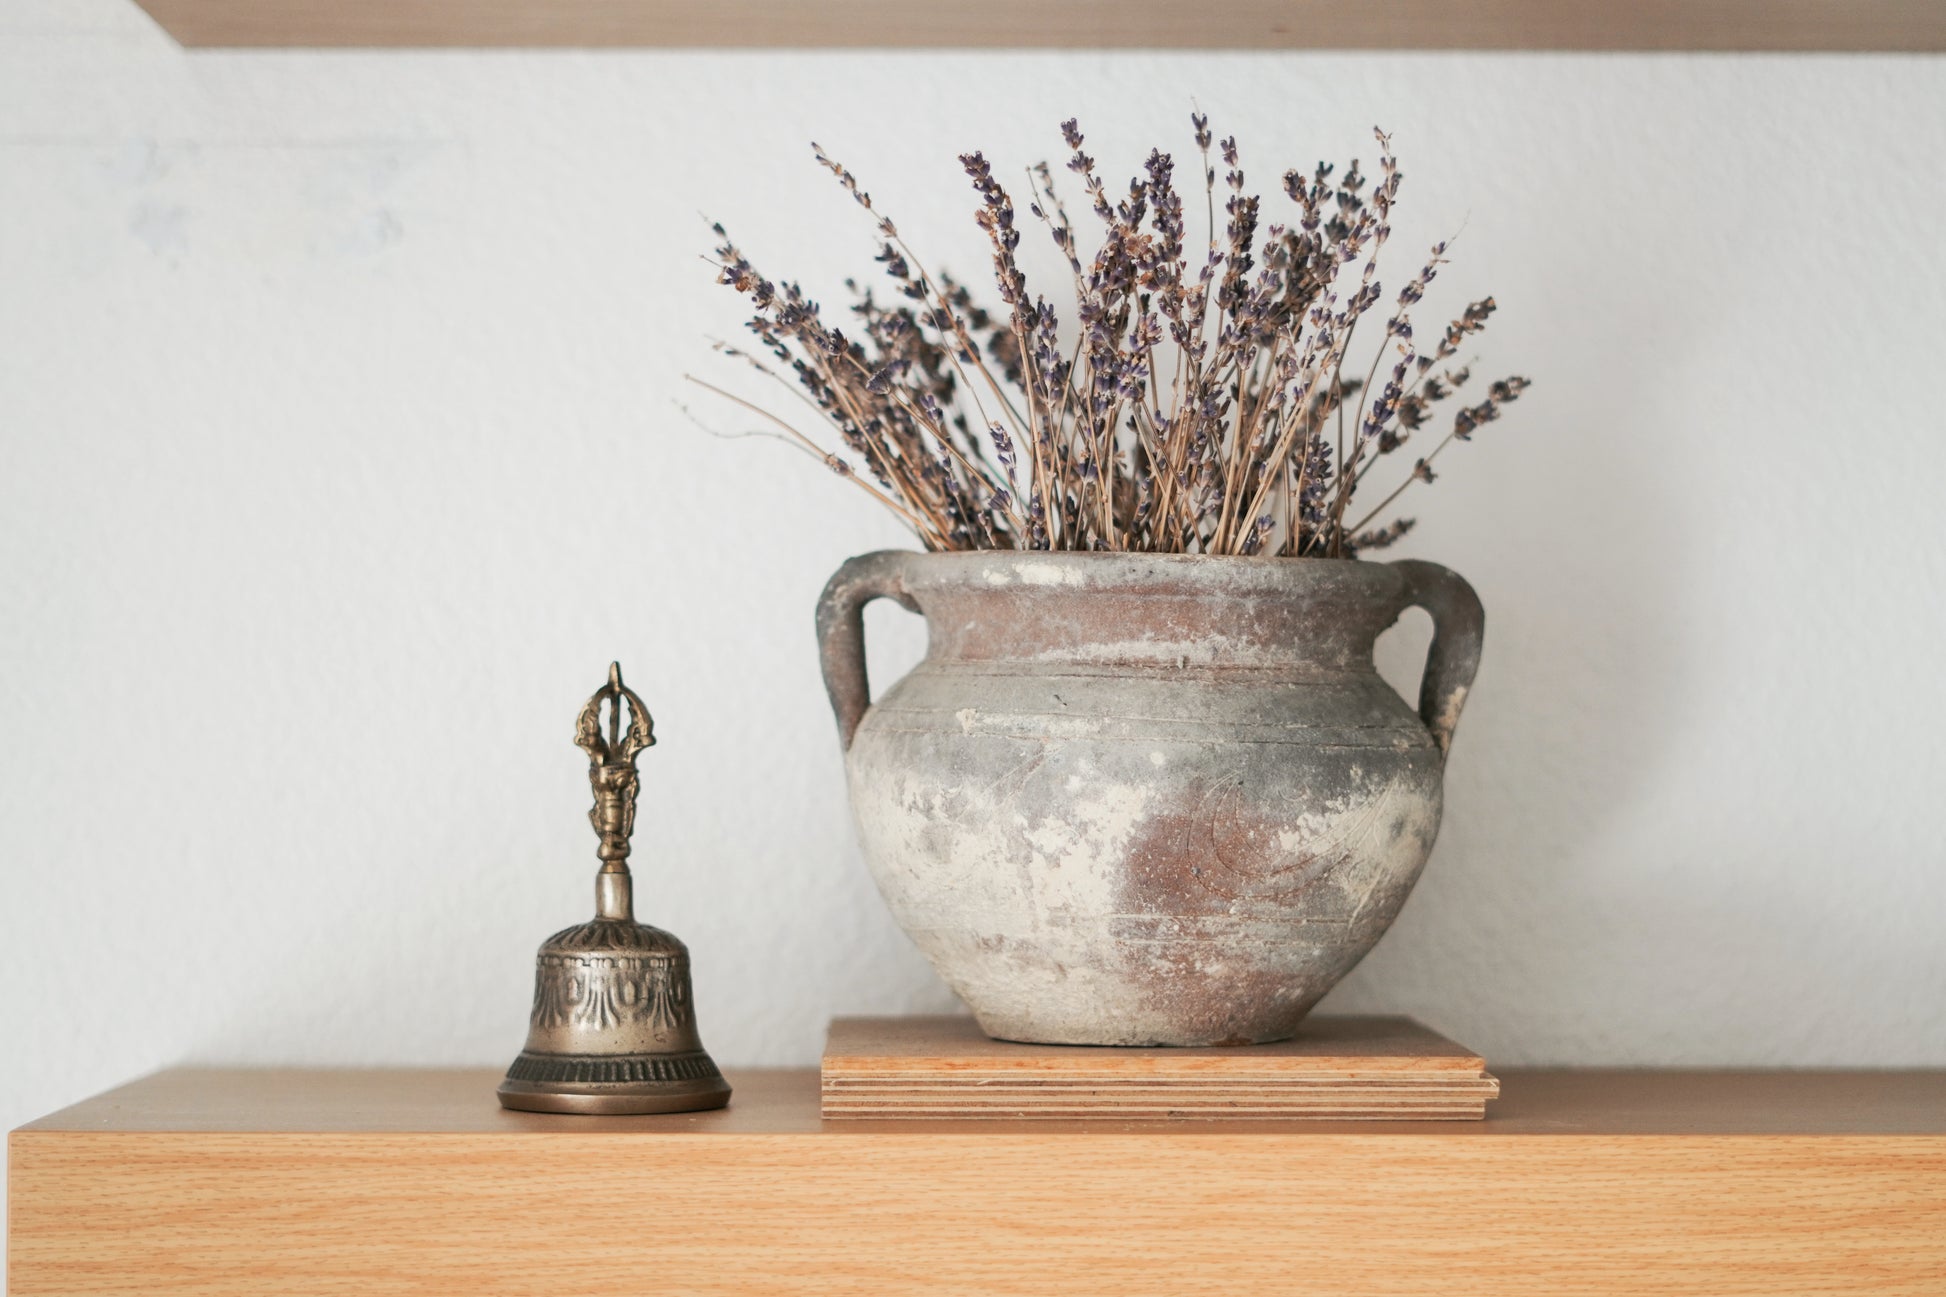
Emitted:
<point x="1134" y="799"/>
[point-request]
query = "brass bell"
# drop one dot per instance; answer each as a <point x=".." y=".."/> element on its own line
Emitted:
<point x="613" y="1028"/>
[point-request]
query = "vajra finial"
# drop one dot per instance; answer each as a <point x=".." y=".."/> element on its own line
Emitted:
<point x="611" y="769"/>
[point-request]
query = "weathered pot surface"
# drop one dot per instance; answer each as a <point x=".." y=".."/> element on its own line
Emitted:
<point x="1135" y="799"/>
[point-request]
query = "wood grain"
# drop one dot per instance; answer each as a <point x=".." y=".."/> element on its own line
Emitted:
<point x="416" y="1182"/>
<point x="1336" y="1067"/>
<point x="1856" y="25"/>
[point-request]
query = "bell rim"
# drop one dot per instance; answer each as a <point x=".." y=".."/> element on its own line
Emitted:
<point x="615" y="1099"/>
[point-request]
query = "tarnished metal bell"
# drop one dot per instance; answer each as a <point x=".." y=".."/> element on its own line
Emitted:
<point x="613" y="1028"/>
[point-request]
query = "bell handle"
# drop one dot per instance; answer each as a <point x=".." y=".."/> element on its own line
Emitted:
<point x="841" y="630"/>
<point x="1458" y="627"/>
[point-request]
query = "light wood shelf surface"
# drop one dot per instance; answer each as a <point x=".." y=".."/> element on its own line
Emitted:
<point x="459" y="1101"/>
<point x="1805" y="25"/>
<point x="210" y="1181"/>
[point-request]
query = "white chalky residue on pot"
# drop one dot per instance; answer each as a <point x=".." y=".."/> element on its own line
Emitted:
<point x="1070" y="727"/>
<point x="1375" y="858"/>
<point x="1348" y="821"/>
<point x="1320" y="827"/>
<point x="974" y="835"/>
<point x="1039" y="574"/>
<point x="1210" y="650"/>
<point x="1081" y="851"/>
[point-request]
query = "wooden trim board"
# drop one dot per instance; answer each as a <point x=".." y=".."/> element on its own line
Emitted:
<point x="1337" y="1067"/>
<point x="1722" y="25"/>
<point x="375" y="1182"/>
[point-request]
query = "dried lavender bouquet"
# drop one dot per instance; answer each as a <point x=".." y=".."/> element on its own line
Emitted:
<point x="1200" y="411"/>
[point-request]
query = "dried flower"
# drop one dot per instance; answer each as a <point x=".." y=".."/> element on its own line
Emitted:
<point x="1195" y="411"/>
<point x="1390" y="534"/>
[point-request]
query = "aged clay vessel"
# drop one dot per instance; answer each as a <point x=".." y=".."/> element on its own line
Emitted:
<point x="1134" y="799"/>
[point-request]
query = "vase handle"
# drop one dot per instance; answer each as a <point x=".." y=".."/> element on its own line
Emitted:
<point x="841" y="631"/>
<point x="1458" y="626"/>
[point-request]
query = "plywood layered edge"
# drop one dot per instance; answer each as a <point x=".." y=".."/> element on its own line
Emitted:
<point x="1336" y="1067"/>
<point x="1801" y="25"/>
<point x="415" y="1182"/>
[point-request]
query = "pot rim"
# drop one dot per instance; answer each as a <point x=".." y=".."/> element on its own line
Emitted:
<point x="1096" y="555"/>
<point x="1134" y="572"/>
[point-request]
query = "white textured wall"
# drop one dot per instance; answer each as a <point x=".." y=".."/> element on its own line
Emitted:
<point x="338" y="455"/>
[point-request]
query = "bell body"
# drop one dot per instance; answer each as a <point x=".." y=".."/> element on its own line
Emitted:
<point x="613" y="1028"/>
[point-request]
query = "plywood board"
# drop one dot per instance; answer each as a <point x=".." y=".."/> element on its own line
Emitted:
<point x="1368" y="1068"/>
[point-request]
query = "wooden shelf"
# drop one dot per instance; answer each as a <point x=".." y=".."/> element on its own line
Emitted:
<point x="196" y="1181"/>
<point x="1067" y="24"/>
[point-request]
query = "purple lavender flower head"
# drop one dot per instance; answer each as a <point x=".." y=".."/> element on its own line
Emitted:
<point x="1204" y="396"/>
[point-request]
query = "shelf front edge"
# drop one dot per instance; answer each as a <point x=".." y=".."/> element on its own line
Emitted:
<point x="1644" y="25"/>
<point x="779" y="1203"/>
